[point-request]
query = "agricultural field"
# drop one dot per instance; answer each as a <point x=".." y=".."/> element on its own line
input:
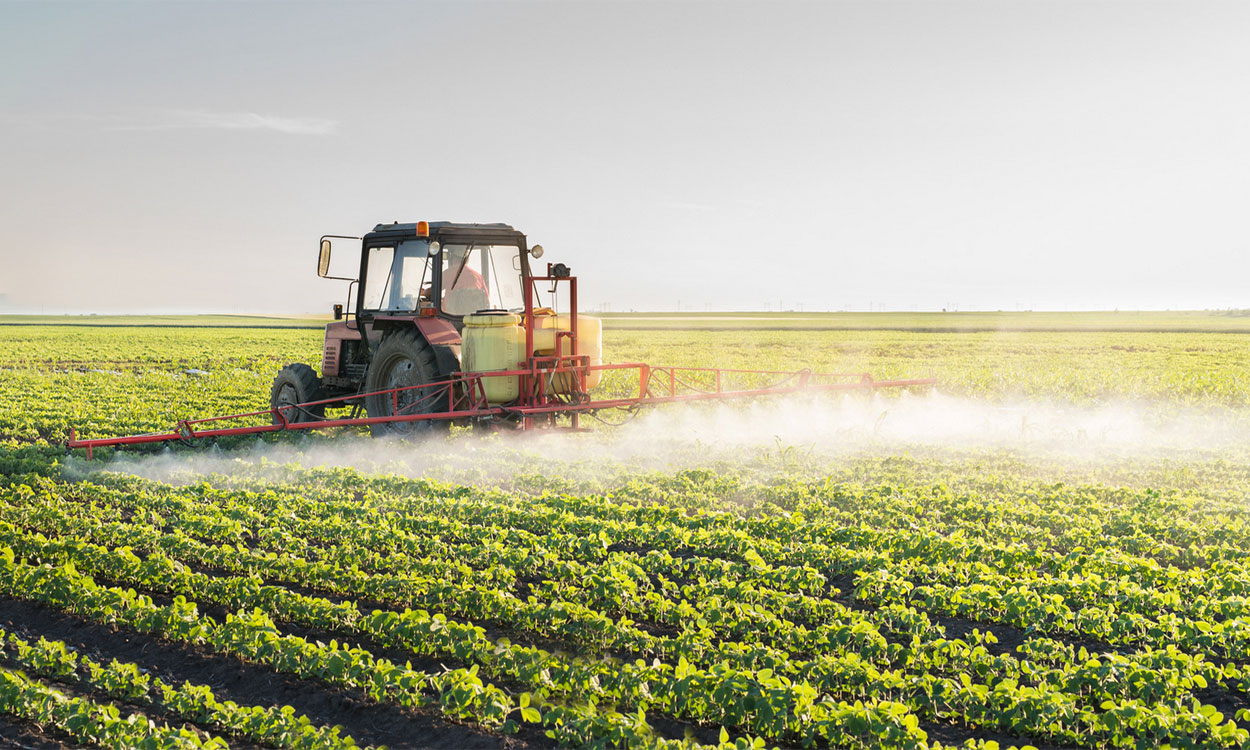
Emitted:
<point x="1050" y="551"/>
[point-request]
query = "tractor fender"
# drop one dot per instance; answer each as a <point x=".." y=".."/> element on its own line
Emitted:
<point x="438" y="332"/>
<point x="445" y="340"/>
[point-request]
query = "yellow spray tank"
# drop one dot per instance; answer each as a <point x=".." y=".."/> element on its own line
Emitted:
<point x="490" y="342"/>
<point x="495" y="341"/>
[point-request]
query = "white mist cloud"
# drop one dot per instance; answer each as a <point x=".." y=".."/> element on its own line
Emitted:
<point x="824" y="430"/>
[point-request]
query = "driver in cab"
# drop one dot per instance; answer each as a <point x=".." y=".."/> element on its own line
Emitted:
<point x="457" y="274"/>
<point x="464" y="289"/>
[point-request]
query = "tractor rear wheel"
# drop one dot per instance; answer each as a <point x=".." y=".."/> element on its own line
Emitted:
<point x="403" y="359"/>
<point x="297" y="384"/>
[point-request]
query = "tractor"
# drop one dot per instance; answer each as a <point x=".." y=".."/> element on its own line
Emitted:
<point x="407" y="308"/>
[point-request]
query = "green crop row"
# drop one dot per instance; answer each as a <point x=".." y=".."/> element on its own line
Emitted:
<point x="737" y="615"/>
<point x="90" y="722"/>
<point x="272" y="727"/>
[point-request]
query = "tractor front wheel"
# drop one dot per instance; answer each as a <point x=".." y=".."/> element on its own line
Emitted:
<point x="405" y="359"/>
<point x="297" y="384"/>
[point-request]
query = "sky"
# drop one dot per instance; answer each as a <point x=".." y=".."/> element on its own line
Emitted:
<point x="1008" y="154"/>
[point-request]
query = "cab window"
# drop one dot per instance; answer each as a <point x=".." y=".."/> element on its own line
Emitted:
<point x="478" y="277"/>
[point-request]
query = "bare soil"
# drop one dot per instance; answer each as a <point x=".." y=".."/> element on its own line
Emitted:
<point x="21" y="736"/>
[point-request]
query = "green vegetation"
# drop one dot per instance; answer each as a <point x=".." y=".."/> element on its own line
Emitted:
<point x="131" y="683"/>
<point x="776" y="594"/>
<point x="114" y="380"/>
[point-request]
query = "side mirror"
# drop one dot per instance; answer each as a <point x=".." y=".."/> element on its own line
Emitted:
<point x="323" y="260"/>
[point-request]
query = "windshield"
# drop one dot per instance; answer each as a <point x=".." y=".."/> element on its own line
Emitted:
<point x="478" y="277"/>
<point x="396" y="275"/>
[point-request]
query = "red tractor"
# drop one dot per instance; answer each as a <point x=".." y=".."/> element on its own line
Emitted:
<point x="417" y="284"/>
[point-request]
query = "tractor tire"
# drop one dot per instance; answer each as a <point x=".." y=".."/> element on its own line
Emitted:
<point x="404" y="358"/>
<point x="297" y="384"/>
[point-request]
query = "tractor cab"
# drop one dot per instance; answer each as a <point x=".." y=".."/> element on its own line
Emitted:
<point x="440" y="269"/>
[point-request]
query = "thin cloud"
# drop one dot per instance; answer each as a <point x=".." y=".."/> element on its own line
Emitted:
<point x="204" y="120"/>
<point x="196" y="119"/>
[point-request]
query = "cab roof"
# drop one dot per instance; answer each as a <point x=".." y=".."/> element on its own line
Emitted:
<point x="436" y="226"/>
